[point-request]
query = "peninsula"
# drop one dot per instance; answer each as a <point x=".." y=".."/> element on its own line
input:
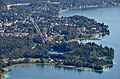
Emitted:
<point x="30" y="32"/>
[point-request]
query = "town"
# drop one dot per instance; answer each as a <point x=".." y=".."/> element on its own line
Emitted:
<point x="16" y="21"/>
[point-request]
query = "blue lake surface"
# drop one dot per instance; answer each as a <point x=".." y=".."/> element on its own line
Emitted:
<point x="111" y="17"/>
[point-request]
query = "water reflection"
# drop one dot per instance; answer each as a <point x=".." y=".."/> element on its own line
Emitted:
<point x="79" y="70"/>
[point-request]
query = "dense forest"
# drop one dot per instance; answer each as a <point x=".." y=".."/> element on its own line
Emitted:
<point x="74" y="54"/>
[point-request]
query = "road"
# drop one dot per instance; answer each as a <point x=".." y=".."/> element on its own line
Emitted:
<point x="37" y="29"/>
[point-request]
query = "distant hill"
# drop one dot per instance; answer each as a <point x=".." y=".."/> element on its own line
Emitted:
<point x="2" y="5"/>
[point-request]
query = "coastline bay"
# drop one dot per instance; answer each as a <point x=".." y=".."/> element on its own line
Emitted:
<point x="103" y="15"/>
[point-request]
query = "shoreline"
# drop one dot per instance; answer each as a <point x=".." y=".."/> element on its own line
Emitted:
<point x="83" y="68"/>
<point x="73" y="67"/>
<point x="90" y="7"/>
<point x="81" y="39"/>
<point x="2" y="75"/>
<point x="86" y="8"/>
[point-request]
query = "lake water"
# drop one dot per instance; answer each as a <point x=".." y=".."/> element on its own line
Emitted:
<point x="111" y="17"/>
